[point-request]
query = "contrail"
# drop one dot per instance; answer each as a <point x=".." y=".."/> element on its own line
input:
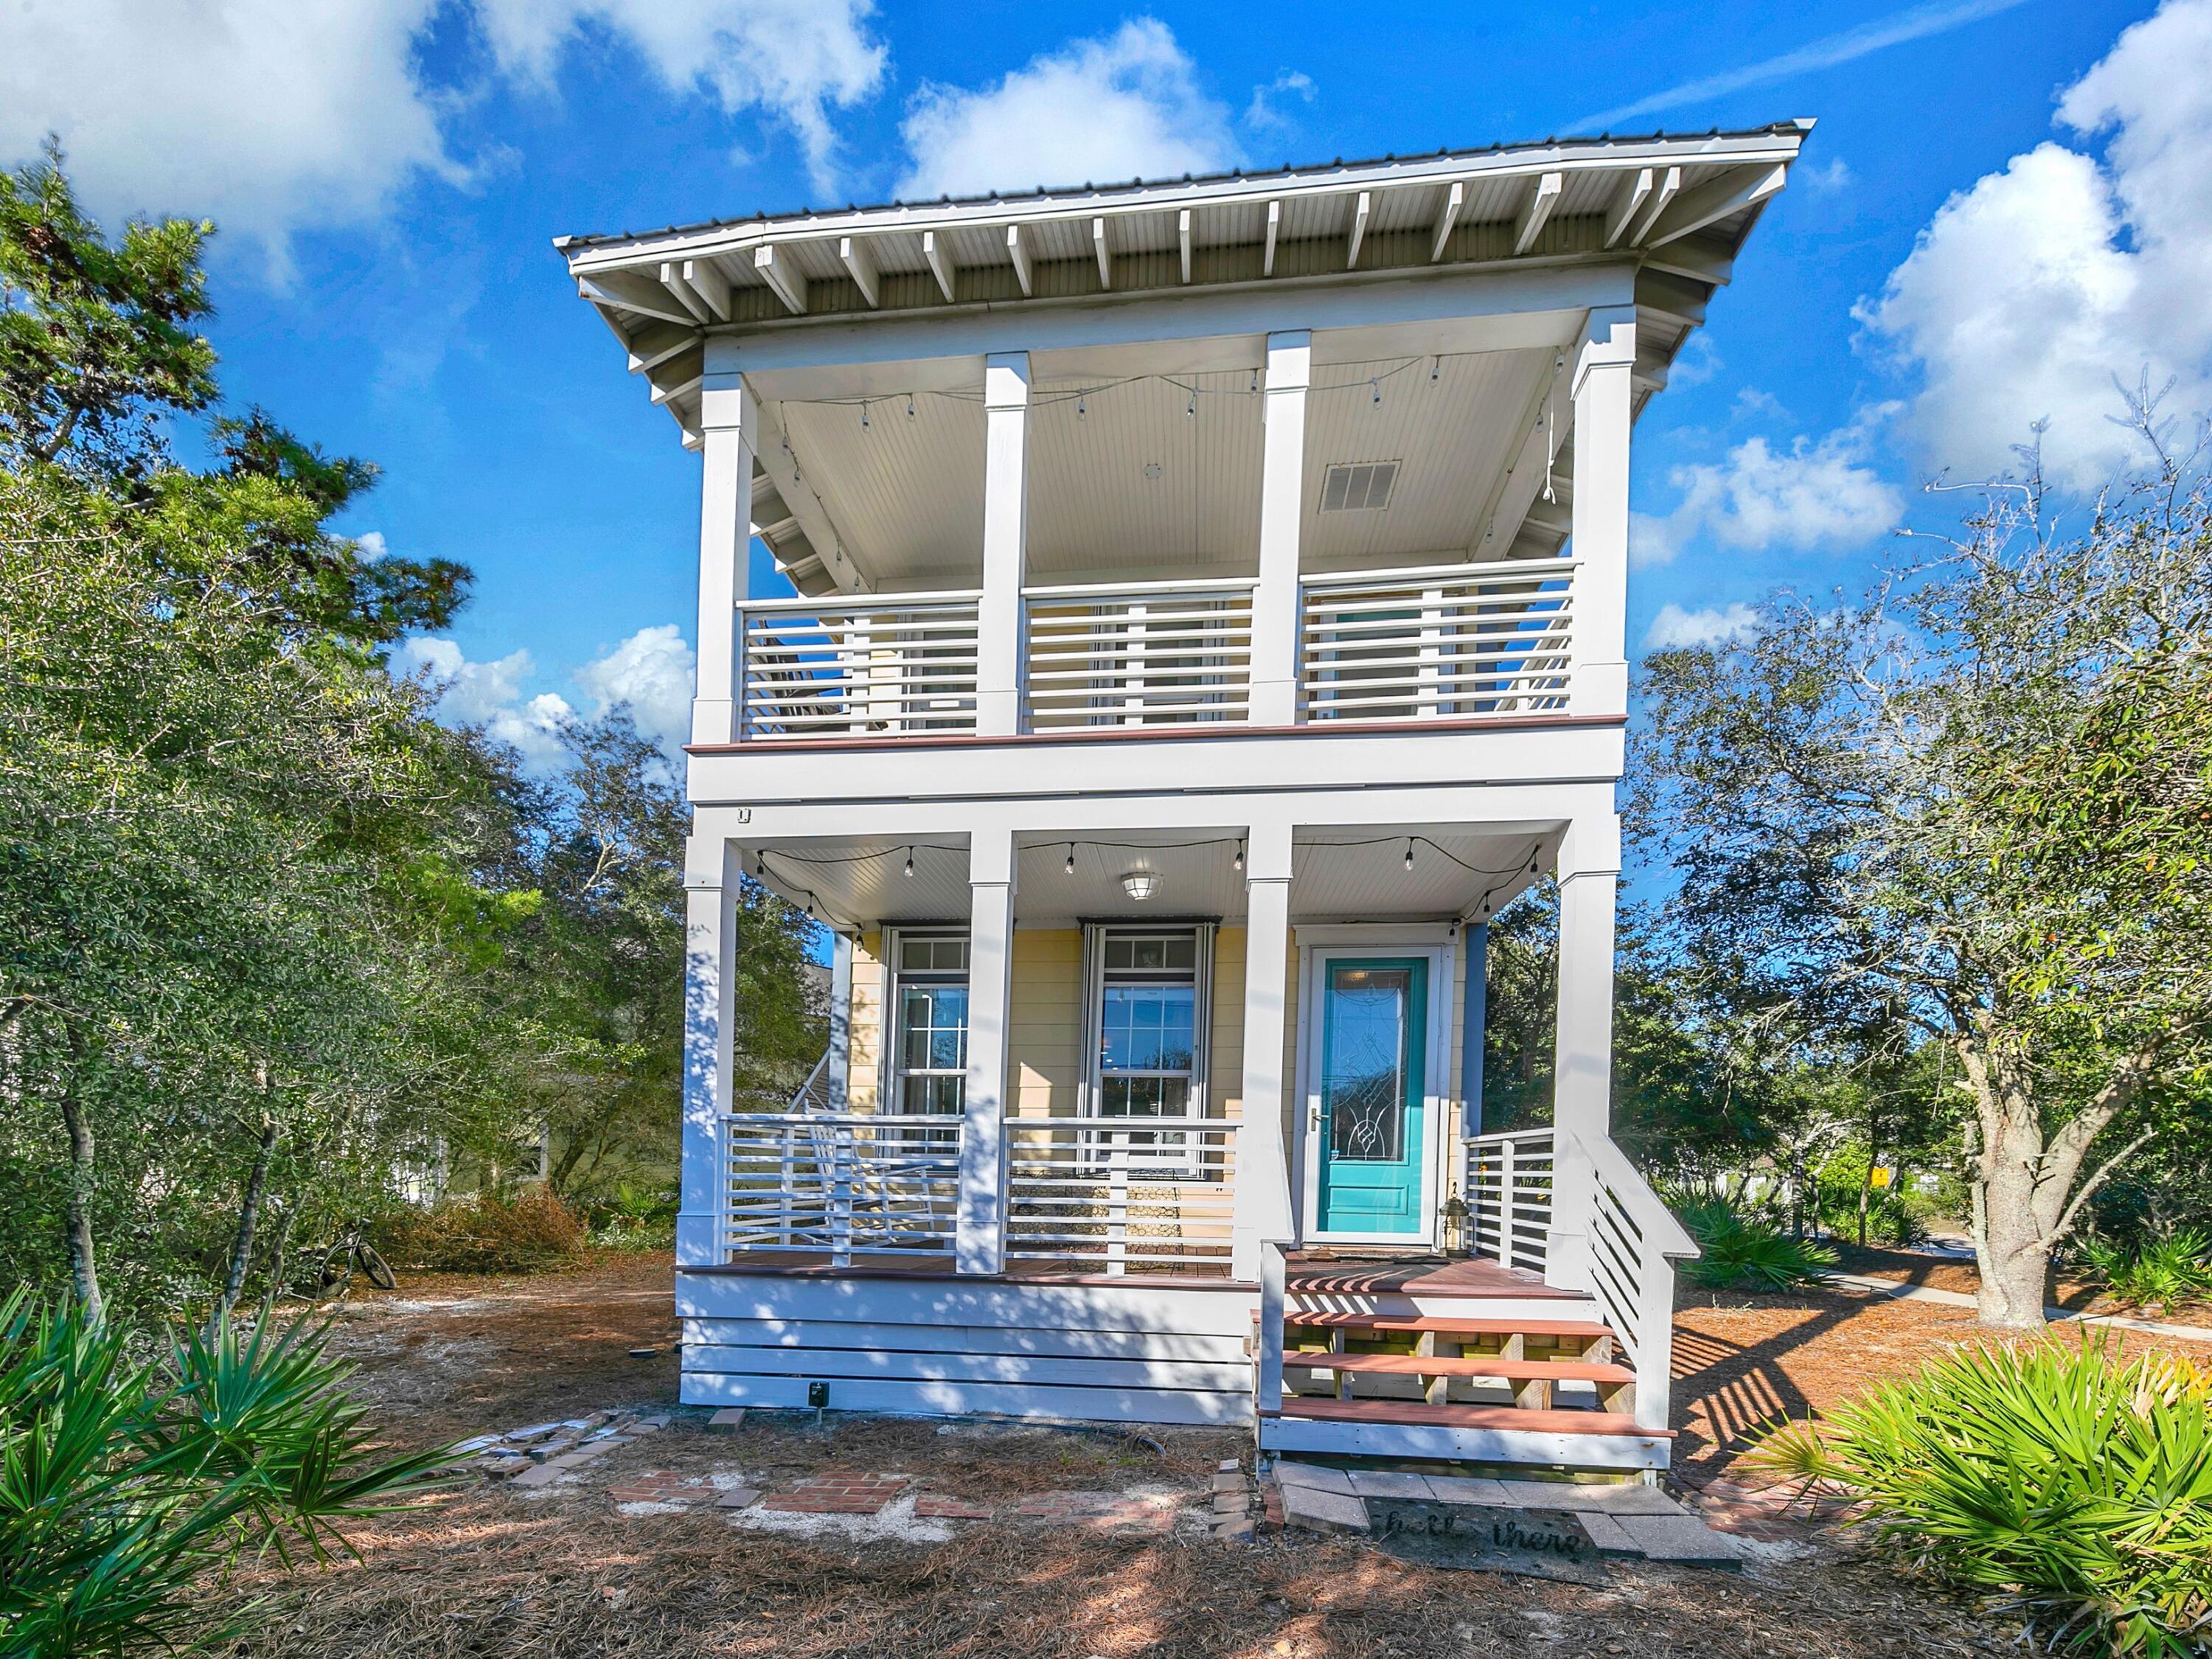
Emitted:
<point x="1829" y="50"/>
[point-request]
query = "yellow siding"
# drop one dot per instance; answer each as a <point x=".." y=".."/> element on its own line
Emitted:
<point x="865" y="1087"/>
<point x="1225" y="1076"/>
<point x="1045" y="1033"/>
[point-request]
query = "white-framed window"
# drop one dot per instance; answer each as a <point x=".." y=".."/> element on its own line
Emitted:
<point x="1147" y="1019"/>
<point x="927" y="1055"/>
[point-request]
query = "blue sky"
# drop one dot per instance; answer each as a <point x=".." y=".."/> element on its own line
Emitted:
<point x="2002" y="206"/>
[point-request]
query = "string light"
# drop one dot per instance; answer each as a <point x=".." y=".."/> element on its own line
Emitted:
<point x="864" y="417"/>
<point x="1255" y="382"/>
<point x="1435" y="367"/>
<point x="1071" y="858"/>
<point x="1079" y="405"/>
<point x="1191" y="409"/>
<point x="909" y="406"/>
<point x="909" y="861"/>
<point x="1238" y="862"/>
<point x="1409" y="852"/>
<point x="1375" y="386"/>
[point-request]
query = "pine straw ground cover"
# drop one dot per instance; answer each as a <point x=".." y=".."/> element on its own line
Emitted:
<point x="487" y="1575"/>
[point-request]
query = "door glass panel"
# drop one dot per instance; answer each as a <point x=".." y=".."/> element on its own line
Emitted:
<point x="1364" y="1093"/>
<point x="934" y="1047"/>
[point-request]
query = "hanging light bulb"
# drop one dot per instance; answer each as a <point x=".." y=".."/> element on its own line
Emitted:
<point x="909" y="406"/>
<point x="1409" y="852"/>
<point x="1079" y="405"/>
<point x="1435" y="367"/>
<point x="759" y="866"/>
<point x="1239" y="863"/>
<point x="909" y="861"/>
<point x="1374" y="386"/>
<point x="1255" y="382"/>
<point x="1070" y="867"/>
<point x="864" y="416"/>
<point x="1191" y="409"/>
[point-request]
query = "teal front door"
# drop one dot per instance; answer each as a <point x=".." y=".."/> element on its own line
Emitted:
<point x="1374" y="1044"/>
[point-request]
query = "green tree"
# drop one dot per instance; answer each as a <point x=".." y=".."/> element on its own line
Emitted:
<point x="1977" y="804"/>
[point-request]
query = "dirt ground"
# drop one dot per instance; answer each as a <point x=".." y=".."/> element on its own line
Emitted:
<point x="1940" y="1273"/>
<point x="573" y="1571"/>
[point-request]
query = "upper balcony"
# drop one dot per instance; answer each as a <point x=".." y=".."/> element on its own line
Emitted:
<point x="1339" y="450"/>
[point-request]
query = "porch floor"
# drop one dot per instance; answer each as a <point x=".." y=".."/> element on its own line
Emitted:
<point x="1320" y="1273"/>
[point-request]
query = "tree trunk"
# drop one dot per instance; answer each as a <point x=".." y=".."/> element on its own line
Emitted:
<point x="2014" y="1252"/>
<point x="276" y="1286"/>
<point x="83" y="1268"/>
<point x="249" y="1217"/>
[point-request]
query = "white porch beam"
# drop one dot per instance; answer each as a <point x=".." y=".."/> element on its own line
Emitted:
<point x="1359" y="212"/>
<point x="635" y="293"/>
<point x="773" y="263"/>
<point x="940" y="262"/>
<point x="1182" y="238"/>
<point x="644" y="359"/>
<point x="711" y="880"/>
<point x="728" y="427"/>
<point x="1098" y="246"/>
<point x="1604" y="394"/>
<point x="672" y="278"/>
<point x="705" y="278"/>
<point x="980" y="1242"/>
<point x="1447" y="216"/>
<point x="1708" y="204"/>
<point x="859" y="261"/>
<point x="1633" y="195"/>
<point x="1261" y="1214"/>
<point x="1533" y="216"/>
<point x="1019" y="252"/>
<point x="1274" y="225"/>
<point x="777" y="461"/>
<point x="1006" y="539"/>
<point x="1288" y="376"/>
<point x="1669" y="186"/>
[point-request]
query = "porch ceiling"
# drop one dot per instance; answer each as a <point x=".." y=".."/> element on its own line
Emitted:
<point x="1341" y="875"/>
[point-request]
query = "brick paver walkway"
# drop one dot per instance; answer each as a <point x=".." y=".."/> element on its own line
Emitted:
<point x="840" y="1494"/>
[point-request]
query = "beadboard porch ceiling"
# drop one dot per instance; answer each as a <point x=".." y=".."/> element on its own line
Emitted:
<point x="1341" y="875"/>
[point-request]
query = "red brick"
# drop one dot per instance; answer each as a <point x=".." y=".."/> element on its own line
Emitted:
<point x="937" y="1506"/>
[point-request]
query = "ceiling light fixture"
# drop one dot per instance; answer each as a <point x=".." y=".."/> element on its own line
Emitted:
<point x="1070" y="867"/>
<point x="1238" y="862"/>
<point x="909" y="861"/>
<point x="1140" y="885"/>
<point x="1409" y="852"/>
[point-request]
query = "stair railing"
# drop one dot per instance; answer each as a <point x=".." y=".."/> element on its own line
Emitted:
<point x="1267" y="1352"/>
<point x="1631" y="1247"/>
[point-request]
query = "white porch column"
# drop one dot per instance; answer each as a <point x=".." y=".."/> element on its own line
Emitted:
<point x="981" y="1244"/>
<point x="1605" y="369"/>
<point x="1582" y="1073"/>
<point x="1006" y="543"/>
<point x="1282" y="510"/>
<point x="728" y="430"/>
<point x="1262" y="1211"/>
<point x="711" y="875"/>
<point x="840" y="1078"/>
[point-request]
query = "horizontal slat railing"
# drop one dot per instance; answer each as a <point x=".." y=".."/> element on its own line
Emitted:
<point x="858" y="667"/>
<point x="1634" y="1242"/>
<point x="1508" y="1193"/>
<point x="1440" y="643"/>
<point x="1137" y="654"/>
<point x="840" y="1183"/>
<point x="1120" y="1195"/>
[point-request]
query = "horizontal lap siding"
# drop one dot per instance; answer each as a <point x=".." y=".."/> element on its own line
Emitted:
<point x="865" y="1091"/>
<point x="1044" y="1033"/>
<point x="1147" y="1353"/>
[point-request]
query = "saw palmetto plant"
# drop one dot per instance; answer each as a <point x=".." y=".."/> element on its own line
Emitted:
<point x="2060" y="1483"/>
<point x="131" y="1470"/>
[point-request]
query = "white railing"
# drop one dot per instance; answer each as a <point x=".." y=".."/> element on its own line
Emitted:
<point x="1508" y="1193"/>
<point x="1122" y="1195"/>
<point x="1437" y="643"/>
<point x="856" y="667"/>
<point x="1634" y="1242"/>
<point x="845" y="1184"/>
<point x="813" y="1094"/>
<point x="1137" y="654"/>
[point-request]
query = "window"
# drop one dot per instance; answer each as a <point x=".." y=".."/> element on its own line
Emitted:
<point x="1147" y="1021"/>
<point x="929" y="1053"/>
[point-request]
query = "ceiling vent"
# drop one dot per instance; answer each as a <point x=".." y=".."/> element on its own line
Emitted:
<point x="1358" y="487"/>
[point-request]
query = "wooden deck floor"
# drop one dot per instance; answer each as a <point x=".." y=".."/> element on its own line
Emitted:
<point x="1310" y="1273"/>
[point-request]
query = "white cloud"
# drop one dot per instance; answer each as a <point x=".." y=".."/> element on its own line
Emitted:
<point x="1127" y="106"/>
<point x="798" y="59"/>
<point x="653" y="672"/>
<point x="271" y="116"/>
<point x="1807" y="497"/>
<point x="2031" y="292"/>
<point x="370" y="543"/>
<point x="1827" y="181"/>
<point x="488" y="694"/>
<point x="1262" y="111"/>
<point x="1674" y="628"/>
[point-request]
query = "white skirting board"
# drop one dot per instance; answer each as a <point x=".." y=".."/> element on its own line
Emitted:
<point x="1138" y="1307"/>
<point x="1406" y="1440"/>
<point x="934" y="1399"/>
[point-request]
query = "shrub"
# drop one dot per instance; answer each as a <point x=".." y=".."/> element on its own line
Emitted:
<point x="2061" y="1485"/>
<point x="481" y="1234"/>
<point x="2158" y="1273"/>
<point x="1744" y="1250"/>
<point x="636" y="1218"/>
<point x="123" y="1481"/>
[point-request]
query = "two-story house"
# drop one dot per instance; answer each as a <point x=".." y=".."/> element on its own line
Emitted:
<point x="1209" y="613"/>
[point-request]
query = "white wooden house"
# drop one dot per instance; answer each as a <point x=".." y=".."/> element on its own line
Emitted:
<point x="1211" y="599"/>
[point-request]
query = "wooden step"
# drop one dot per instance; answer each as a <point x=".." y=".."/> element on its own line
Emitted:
<point x="1414" y="1413"/>
<point x="1588" y="1329"/>
<point x="1419" y="1364"/>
